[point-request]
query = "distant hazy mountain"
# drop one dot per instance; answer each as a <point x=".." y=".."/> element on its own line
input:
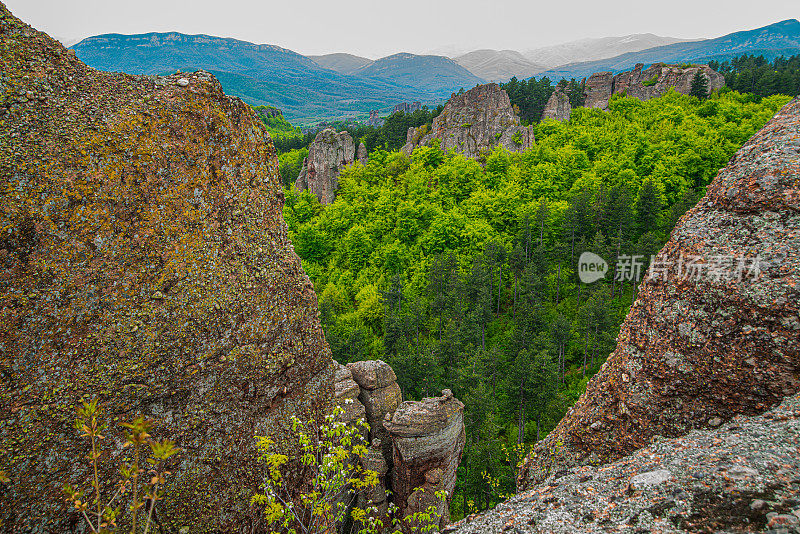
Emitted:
<point x="436" y="74"/>
<point x="781" y="38"/>
<point x="499" y="65"/>
<point x="268" y="74"/>
<point x="341" y="63"/>
<point x="594" y="49"/>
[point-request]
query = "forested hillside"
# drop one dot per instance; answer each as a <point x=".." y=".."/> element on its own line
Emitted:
<point x="759" y="76"/>
<point x="462" y="274"/>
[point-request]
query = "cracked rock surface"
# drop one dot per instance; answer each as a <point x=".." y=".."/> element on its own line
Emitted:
<point x="742" y="477"/>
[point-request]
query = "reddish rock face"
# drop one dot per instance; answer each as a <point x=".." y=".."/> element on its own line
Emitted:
<point x="144" y="261"/>
<point x="474" y="122"/>
<point x="719" y="340"/>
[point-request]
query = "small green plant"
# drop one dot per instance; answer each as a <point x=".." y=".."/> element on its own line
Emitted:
<point x="141" y="478"/>
<point x="517" y="138"/>
<point x="331" y="456"/>
<point x="652" y="81"/>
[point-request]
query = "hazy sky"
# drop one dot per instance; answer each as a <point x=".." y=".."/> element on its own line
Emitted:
<point x="375" y="28"/>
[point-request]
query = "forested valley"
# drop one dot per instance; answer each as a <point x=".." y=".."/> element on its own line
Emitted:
<point x="461" y="274"/>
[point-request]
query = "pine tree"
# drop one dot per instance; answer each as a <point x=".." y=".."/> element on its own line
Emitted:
<point x="699" y="85"/>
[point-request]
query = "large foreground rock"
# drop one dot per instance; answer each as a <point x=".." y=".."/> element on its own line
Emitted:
<point x="473" y="123"/>
<point x="741" y="477"/>
<point x="718" y="339"/>
<point x="144" y="262"/>
<point x="328" y="154"/>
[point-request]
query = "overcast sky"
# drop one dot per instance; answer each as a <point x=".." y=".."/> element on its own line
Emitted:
<point x="374" y="28"/>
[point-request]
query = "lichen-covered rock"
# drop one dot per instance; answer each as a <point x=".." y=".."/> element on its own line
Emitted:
<point x="558" y="106"/>
<point x="328" y="154"/>
<point x="473" y="123"/>
<point x="372" y="374"/>
<point x="648" y="83"/>
<point x="144" y="261"/>
<point x="742" y="477"/>
<point x="716" y="339"/>
<point x="427" y="441"/>
<point x="346" y="393"/>
<point x="380" y="395"/>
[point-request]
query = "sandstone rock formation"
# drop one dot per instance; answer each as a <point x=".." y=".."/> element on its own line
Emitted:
<point x="145" y="263"/>
<point x="407" y="107"/>
<point x="717" y="338"/>
<point x="427" y="441"/>
<point x="361" y="154"/>
<point x="328" y="154"/>
<point x="742" y="477"/>
<point x="375" y="119"/>
<point x="473" y="123"/>
<point x="598" y="91"/>
<point x="648" y="83"/>
<point x="268" y="112"/>
<point x="414" y="444"/>
<point x="558" y="106"/>
<point x="379" y="394"/>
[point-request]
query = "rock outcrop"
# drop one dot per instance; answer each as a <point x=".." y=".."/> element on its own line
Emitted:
<point x="361" y="154"/>
<point x="407" y="107"/>
<point x="648" y="83"/>
<point x="558" y="106"/>
<point x="328" y="154"/>
<point x="427" y="441"/>
<point x="413" y="444"/>
<point x="144" y="262"/>
<point x="473" y="123"/>
<point x="741" y="477"/>
<point x="598" y="90"/>
<point x="375" y="119"/>
<point x="714" y="332"/>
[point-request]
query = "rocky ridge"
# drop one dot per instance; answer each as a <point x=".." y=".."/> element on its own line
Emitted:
<point x="416" y="446"/>
<point x="328" y="154"/>
<point x="473" y="123"/>
<point x="640" y="83"/>
<point x="714" y="332"/>
<point x="742" y="477"/>
<point x="144" y="261"/>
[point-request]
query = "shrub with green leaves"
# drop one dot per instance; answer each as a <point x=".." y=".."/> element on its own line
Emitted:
<point x="142" y="476"/>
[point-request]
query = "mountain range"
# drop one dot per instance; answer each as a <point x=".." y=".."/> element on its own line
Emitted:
<point x="313" y="88"/>
<point x="779" y="39"/>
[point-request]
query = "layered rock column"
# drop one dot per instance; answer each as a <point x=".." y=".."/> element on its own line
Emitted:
<point x="427" y="441"/>
<point x="415" y="446"/>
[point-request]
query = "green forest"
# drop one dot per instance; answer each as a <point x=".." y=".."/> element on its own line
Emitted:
<point x="754" y="74"/>
<point x="461" y="273"/>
